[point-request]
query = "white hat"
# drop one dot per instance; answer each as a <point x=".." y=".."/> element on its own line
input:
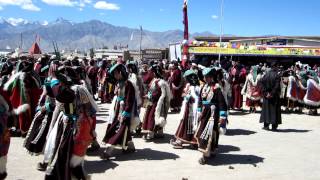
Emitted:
<point x="201" y="67"/>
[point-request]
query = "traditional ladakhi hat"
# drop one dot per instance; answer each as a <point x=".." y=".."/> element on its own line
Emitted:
<point x="157" y="70"/>
<point x="191" y="77"/>
<point x="131" y="63"/>
<point x="66" y="95"/>
<point x="194" y="64"/>
<point x="188" y="73"/>
<point x="114" y="67"/>
<point x="207" y="71"/>
<point x="120" y="67"/>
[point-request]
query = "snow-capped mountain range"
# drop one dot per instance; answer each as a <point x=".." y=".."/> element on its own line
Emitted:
<point x="82" y="35"/>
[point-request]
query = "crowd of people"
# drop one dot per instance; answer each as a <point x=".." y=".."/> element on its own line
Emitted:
<point x="52" y="103"/>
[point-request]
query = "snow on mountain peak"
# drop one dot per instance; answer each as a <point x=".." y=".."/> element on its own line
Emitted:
<point x="44" y="23"/>
<point x="17" y="21"/>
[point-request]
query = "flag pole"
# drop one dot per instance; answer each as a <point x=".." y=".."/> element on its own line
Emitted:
<point x="185" y="52"/>
<point x="221" y="28"/>
<point x="140" y="43"/>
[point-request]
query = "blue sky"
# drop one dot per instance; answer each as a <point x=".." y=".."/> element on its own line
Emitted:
<point x="241" y="17"/>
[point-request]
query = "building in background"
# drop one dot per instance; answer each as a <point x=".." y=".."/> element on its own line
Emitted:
<point x="251" y="50"/>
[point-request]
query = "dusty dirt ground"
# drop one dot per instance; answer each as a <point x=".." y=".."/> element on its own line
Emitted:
<point x="246" y="152"/>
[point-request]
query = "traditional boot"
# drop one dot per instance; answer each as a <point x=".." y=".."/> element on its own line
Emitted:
<point x="203" y="160"/>
<point x="3" y="167"/>
<point x="176" y="144"/>
<point x="107" y="153"/>
<point x="79" y="173"/>
<point x="159" y="133"/>
<point x="130" y="149"/>
<point x="42" y="166"/>
<point x="3" y="175"/>
<point x="94" y="146"/>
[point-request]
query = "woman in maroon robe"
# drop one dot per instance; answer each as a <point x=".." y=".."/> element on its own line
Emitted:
<point x="92" y="72"/>
<point x="118" y="131"/>
<point x="188" y="114"/>
<point x="157" y="106"/>
<point x="176" y="86"/>
<point x="237" y="76"/>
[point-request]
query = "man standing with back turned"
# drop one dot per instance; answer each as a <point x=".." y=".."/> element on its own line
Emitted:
<point x="271" y="109"/>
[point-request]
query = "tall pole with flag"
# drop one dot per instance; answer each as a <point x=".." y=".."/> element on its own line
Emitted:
<point x="185" y="52"/>
<point x="221" y="29"/>
<point x="140" y="43"/>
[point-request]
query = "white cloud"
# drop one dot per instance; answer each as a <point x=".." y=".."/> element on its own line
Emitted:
<point x="214" y="17"/>
<point x="24" y="4"/>
<point x="106" y="6"/>
<point x="30" y="7"/>
<point x="83" y="3"/>
<point x="80" y="4"/>
<point x="60" y="2"/>
<point x="1" y="8"/>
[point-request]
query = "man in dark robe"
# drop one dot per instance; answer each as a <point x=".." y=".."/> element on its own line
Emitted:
<point x="271" y="108"/>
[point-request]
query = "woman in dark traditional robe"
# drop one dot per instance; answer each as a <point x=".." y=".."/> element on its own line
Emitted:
<point x="137" y="83"/>
<point x="226" y="91"/>
<point x="60" y="154"/>
<point x="37" y="134"/>
<point x="189" y="114"/>
<point x="118" y="131"/>
<point x="75" y="130"/>
<point x="271" y="108"/>
<point x="213" y="109"/>
<point x="158" y="102"/>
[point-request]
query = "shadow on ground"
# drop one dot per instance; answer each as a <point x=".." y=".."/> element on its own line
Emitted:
<point x="238" y="113"/>
<point x="163" y="140"/>
<point x="139" y="154"/>
<point x="101" y="122"/>
<point x="227" y="148"/>
<point x="233" y="159"/>
<point x="173" y="112"/>
<point x="99" y="166"/>
<point x="146" y="154"/>
<point x="292" y="130"/>
<point x="102" y="111"/>
<point x="99" y="114"/>
<point x="97" y="152"/>
<point x="236" y="132"/>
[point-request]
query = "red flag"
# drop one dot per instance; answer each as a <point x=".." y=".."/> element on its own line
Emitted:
<point x="185" y="52"/>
